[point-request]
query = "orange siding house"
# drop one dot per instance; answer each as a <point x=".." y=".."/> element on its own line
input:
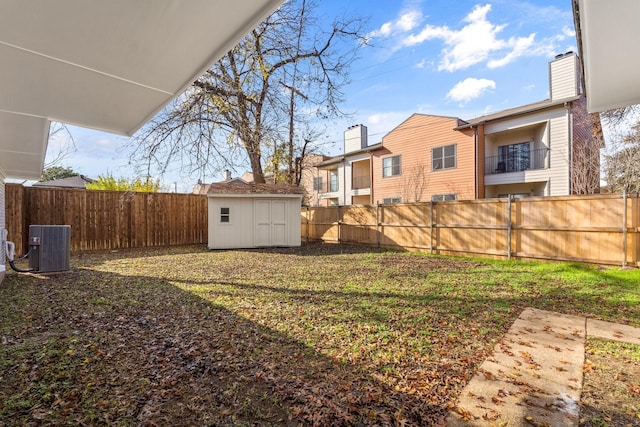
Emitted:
<point x="425" y="159"/>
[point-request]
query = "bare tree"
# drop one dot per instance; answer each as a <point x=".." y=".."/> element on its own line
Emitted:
<point x="61" y="145"/>
<point x="414" y="183"/>
<point x="285" y="74"/>
<point x="622" y="162"/>
<point x="588" y="140"/>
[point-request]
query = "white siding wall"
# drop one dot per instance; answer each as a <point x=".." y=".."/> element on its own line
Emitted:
<point x="560" y="161"/>
<point x="355" y="138"/>
<point x="556" y="135"/>
<point x="564" y="77"/>
<point x="238" y="232"/>
<point x="242" y="228"/>
<point x="2" y="226"/>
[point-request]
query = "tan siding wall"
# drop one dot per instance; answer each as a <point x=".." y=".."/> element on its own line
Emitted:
<point x="360" y="200"/>
<point x="413" y="141"/>
<point x="559" y="156"/>
<point x="564" y="76"/>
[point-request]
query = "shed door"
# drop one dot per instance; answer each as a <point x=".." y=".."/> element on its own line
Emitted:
<point x="271" y="222"/>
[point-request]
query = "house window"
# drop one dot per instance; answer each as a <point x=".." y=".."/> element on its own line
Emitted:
<point x="317" y="183"/>
<point x="224" y="214"/>
<point x="391" y="166"/>
<point x="444" y="197"/>
<point x="389" y="200"/>
<point x="443" y="157"/>
<point x="333" y="180"/>
<point x="514" y="157"/>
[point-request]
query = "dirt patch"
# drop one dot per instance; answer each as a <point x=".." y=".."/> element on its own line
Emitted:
<point x="611" y="391"/>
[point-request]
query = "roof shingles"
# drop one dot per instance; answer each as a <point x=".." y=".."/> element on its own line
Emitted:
<point x="251" y="188"/>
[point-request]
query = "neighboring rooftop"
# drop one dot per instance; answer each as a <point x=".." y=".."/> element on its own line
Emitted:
<point x="78" y="181"/>
<point x="511" y="112"/>
<point x="341" y="157"/>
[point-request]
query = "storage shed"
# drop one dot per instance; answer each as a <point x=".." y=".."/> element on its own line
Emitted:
<point x="253" y="215"/>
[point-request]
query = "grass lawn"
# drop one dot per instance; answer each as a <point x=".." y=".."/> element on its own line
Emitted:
<point x="322" y="334"/>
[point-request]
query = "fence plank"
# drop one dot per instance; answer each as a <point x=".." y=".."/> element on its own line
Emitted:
<point x="102" y="220"/>
<point x="576" y="228"/>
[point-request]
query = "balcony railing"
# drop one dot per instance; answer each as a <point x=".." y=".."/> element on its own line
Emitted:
<point x="516" y="162"/>
<point x="360" y="182"/>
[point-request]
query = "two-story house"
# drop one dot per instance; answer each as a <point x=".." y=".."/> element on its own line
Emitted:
<point x="547" y="148"/>
<point x="425" y="158"/>
<point x="347" y="179"/>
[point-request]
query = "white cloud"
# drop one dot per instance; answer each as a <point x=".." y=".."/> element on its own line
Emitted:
<point x="407" y="20"/>
<point x="421" y="64"/>
<point x="568" y="32"/>
<point x="476" y="42"/>
<point x="519" y="45"/>
<point x="469" y="89"/>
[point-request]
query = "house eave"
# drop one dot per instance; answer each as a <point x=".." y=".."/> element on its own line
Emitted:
<point x="515" y="112"/>
<point x="109" y="66"/>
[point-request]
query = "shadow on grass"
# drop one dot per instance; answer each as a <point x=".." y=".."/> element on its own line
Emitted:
<point x="312" y="249"/>
<point x="91" y="347"/>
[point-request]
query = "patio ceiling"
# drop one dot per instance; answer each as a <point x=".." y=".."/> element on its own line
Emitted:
<point x="608" y="39"/>
<point x="107" y="65"/>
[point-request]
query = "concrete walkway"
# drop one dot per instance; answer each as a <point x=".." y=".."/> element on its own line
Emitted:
<point x="534" y="377"/>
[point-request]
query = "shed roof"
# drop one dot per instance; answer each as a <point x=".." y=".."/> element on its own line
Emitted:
<point x="223" y="188"/>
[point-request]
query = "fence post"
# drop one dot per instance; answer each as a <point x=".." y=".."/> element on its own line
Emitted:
<point x="624" y="228"/>
<point x="509" y="226"/>
<point x="431" y="227"/>
<point x="307" y="224"/>
<point x="378" y="224"/>
<point x="339" y="222"/>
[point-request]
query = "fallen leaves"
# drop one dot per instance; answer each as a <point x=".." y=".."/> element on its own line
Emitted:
<point x="318" y="335"/>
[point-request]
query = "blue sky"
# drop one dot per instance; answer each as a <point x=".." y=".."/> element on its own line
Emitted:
<point x="462" y="59"/>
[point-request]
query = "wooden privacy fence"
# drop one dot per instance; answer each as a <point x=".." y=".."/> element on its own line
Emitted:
<point x="603" y="229"/>
<point x="107" y="219"/>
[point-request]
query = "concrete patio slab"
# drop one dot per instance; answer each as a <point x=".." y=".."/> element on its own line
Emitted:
<point x="534" y="376"/>
<point x="613" y="331"/>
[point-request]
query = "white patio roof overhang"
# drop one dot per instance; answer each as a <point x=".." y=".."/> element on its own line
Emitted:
<point x="106" y="65"/>
<point x="608" y="39"/>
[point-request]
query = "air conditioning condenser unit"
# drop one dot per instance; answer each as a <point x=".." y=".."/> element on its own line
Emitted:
<point x="49" y="248"/>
